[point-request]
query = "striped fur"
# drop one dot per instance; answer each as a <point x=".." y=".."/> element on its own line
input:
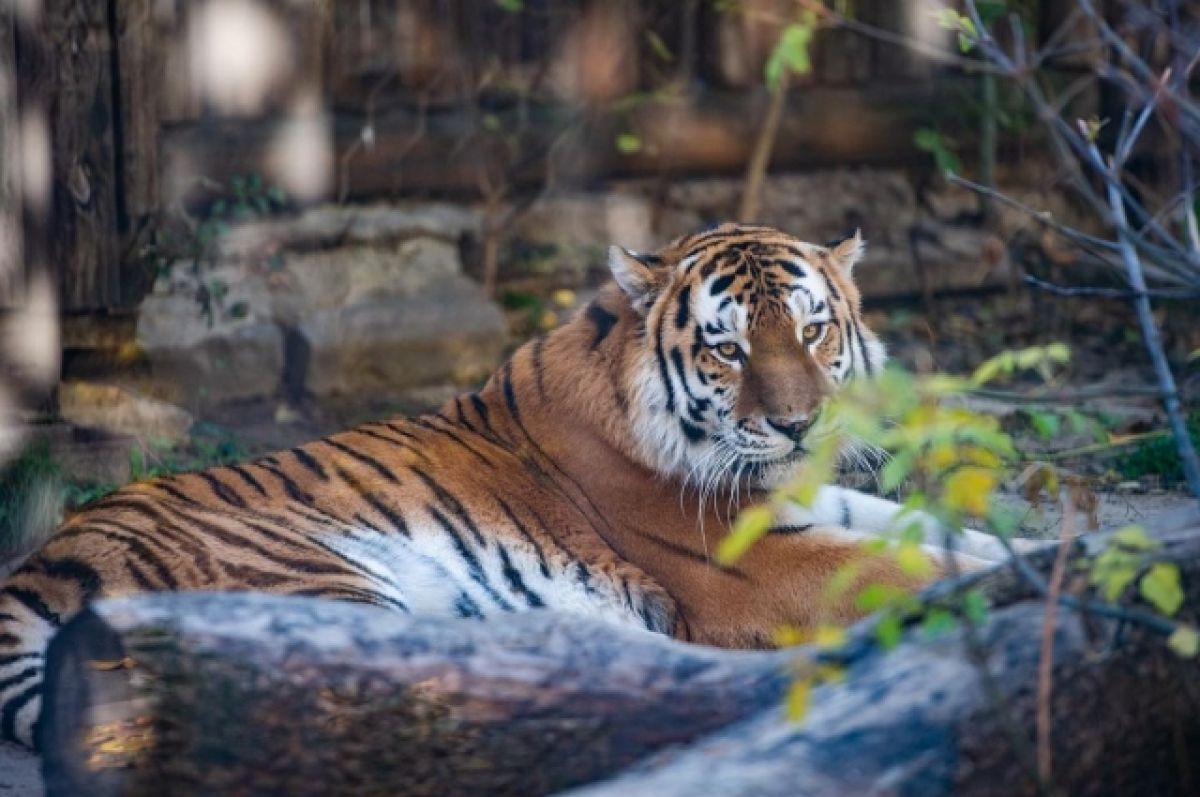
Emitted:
<point x="590" y="475"/>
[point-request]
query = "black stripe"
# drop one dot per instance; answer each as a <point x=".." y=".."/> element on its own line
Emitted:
<point x="365" y="459"/>
<point x="845" y="511"/>
<point x="693" y="433"/>
<point x="720" y="284"/>
<point x="510" y="394"/>
<point x="390" y="514"/>
<point x="662" y="368"/>
<point x="222" y="491"/>
<point x="23" y="675"/>
<point x="448" y="433"/>
<point x="12" y="707"/>
<point x="86" y="577"/>
<point x="453" y="504"/>
<point x="15" y="657"/>
<point x="290" y="487"/>
<point x="682" y="313"/>
<point x="513" y="576"/>
<point x="310" y="463"/>
<point x="481" y="409"/>
<point x="862" y="348"/>
<point x="837" y="297"/>
<point x="788" y="530"/>
<point x="32" y="601"/>
<point x="543" y="565"/>
<point x="539" y="367"/>
<point x="174" y="493"/>
<point x="249" y="479"/>
<point x="474" y="567"/>
<point x="603" y="320"/>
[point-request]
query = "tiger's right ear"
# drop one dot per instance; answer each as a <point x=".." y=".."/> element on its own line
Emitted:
<point x="636" y="275"/>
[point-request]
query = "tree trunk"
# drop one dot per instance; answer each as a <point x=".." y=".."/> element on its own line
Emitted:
<point x="188" y="694"/>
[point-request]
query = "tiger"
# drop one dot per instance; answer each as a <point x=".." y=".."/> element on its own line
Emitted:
<point x="593" y="474"/>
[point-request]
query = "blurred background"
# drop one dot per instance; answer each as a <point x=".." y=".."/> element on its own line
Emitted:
<point x="228" y="226"/>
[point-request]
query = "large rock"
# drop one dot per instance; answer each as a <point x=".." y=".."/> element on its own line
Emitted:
<point x="334" y="301"/>
<point x="122" y="411"/>
<point x="382" y="344"/>
<point x="214" y="349"/>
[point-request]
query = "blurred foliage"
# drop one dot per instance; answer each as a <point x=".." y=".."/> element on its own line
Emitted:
<point x="36" y="490"/>
<point x="1158" y="455"/>
<point x="954" y="461"/>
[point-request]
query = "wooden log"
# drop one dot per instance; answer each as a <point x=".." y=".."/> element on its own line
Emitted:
<point x="255" y="694"/>
<point x="920" y="720"/>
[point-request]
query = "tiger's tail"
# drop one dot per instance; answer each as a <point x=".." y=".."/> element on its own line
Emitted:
<point x="28" y="620"/>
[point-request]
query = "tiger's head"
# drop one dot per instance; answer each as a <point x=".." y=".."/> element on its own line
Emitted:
<point x="742" y="334"/>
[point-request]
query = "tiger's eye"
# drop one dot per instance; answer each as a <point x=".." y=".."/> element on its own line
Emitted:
<point x="729" y="351"/>
<point x="812" y="331"/>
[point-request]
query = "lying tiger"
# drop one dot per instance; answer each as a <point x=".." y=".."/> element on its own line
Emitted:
<point x="576" y="480"/>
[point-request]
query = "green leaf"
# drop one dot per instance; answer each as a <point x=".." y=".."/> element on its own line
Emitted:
<point x="888" y="631"/>
<point x="628" y="144"/>
<point x="975" y="607"/>
<point x="1184" y="641"/>
<point x="876" y="596"/>
<point x="1047" y="425"/>
<point x="511" y="6"/>
<point x="937" y="622"/>
<point x="1135" y="539"/>
<point x="897" y="469"/>
<point x="1160" y="586"/>
<point x="790" y="54"/>
<point x="750" y="525"/>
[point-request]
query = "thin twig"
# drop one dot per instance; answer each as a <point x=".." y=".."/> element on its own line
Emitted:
<point x="1045" y="682"/>
<point x="1108" y="293"/>
<point x="1153" y="342"/>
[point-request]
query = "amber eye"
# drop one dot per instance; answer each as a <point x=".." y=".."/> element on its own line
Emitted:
<point x="729" y="351"/>
<point x="812" y="332"/>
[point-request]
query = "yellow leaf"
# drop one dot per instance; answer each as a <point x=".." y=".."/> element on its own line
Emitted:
<point x="829" y="636"/>
<point x="798" y="698"/>
<point x="1184" y="641"/>
<point x="751" y="524"/>
<point x="913" y="561"/>
<point x="563" y="297"/>
<point x="789" y="636"/>
<point x="968" y="490"/>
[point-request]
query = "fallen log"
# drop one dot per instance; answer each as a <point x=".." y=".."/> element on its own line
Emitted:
<point x="190" y="694"/>
<point x="259" y="694"/>
<point x="925" y="719"/>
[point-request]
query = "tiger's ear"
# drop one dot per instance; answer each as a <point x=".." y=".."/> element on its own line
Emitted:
<point x="848" y="251"/>
<point x="636" y="275"/>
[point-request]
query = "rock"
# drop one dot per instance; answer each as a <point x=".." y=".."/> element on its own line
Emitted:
<point x="596" y="219"/>
<point x="451" y="331"/>
<point x="121" y="411"/>
<point x="333" y="226"/>
<point x="338" y="300"/>
<point x="234" y="352"/>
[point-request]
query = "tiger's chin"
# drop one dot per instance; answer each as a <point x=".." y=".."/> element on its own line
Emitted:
<point x="767" y="474"/>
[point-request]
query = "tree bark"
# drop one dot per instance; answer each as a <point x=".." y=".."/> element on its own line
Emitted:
<point x="220" y="694"/>
<point x="190" y="694"/>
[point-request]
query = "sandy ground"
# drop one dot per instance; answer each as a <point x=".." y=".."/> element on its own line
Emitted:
<point x="20" y="775"/>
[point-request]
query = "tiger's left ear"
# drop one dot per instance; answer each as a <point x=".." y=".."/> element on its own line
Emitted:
<point x="636" y="275"/>
<point x="848" y="251"/>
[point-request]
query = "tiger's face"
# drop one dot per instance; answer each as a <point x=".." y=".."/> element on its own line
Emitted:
<point x="747" y="331"/>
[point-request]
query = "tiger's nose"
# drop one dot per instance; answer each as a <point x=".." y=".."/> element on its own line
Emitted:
<point x="792" y="428"/>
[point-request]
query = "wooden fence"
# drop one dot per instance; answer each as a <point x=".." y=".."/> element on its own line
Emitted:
<point x="428" y="97"/>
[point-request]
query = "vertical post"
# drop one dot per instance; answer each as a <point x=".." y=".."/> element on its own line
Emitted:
<point x="12" y="249"/>
<point x="71" y="71"/>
